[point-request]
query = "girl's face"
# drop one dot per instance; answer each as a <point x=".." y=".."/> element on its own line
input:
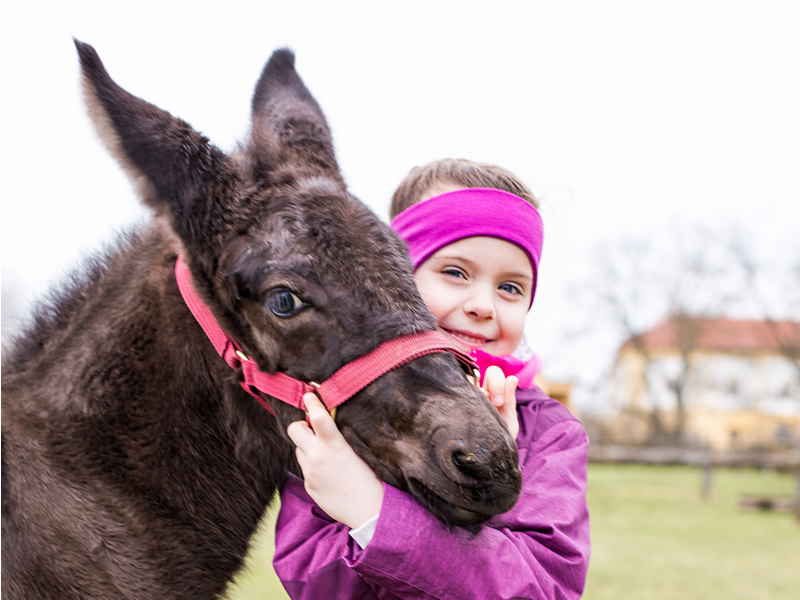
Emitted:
<point x="479" y="290"/>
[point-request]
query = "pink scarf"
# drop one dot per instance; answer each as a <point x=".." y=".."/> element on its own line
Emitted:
<point x="525" y="371"/>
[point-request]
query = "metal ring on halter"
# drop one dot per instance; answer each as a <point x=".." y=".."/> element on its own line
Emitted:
<point x="474" y="378"/>
<point x="471" y="372"/>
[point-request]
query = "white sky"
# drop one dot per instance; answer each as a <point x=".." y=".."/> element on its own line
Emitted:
<point x="621" y="116"/>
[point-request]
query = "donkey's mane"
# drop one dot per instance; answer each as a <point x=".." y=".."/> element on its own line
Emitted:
<point x="52" y="314"/>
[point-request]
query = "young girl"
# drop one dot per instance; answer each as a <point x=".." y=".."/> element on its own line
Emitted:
<point x="474" y="237"/>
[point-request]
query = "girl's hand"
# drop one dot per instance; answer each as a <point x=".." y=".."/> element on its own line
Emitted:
<point x="502" y="392"/>
<point x="335" y="476"/>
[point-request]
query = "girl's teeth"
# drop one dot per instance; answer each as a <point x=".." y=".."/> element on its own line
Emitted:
<point x="468" y="338"/>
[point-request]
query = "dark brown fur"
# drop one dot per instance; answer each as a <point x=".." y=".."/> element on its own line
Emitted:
<point x="134" y="466"/>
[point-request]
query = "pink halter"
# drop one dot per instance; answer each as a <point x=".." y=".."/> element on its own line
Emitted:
<point x="342" y="385"/>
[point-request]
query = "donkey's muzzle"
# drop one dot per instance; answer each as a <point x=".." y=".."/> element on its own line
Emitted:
<point x="478" y="475"/>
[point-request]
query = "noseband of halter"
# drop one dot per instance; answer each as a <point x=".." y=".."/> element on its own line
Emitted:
<point x="342" y="385"/>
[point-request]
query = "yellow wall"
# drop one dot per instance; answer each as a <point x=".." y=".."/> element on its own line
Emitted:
<point x="560" y="391"/>
<point x="632" y="426"/>
<point x="631" y="423"/>
<point x="739" y="430"/>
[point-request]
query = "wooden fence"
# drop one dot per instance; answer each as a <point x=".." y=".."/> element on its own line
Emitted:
<point x="708" y="460"/>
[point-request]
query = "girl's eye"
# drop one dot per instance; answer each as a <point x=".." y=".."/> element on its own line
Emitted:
<point x="283" y="303"/>
<point x="511" y="288"/>
<point x="453" y="272"/>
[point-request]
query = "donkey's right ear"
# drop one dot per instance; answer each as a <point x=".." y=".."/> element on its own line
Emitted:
<point x="178" y="172"/>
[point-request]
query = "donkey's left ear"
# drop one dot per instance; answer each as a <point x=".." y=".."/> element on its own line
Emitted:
<point x="179" y="173"/>
<point x="288" y="127"/>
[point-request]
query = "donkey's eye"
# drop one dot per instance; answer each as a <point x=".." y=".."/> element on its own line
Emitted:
<point x="283" y="303"/>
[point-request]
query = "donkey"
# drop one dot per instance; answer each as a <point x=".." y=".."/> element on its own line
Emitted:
<point x="134" y="464"/>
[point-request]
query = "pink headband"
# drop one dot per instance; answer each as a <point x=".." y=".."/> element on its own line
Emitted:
<point x="433" y="224"/>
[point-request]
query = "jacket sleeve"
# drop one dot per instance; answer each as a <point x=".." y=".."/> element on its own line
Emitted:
<point x="309" y="550"/>
<point x="538" y="549"/>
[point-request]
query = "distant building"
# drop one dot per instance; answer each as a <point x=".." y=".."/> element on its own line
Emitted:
<point x="558" y="390"/>
<point x="739" y="381"/>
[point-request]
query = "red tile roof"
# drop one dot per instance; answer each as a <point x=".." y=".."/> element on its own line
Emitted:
<point x="723" y="335"/>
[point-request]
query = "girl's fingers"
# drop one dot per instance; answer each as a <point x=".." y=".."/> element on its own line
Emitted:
<point x="312" y="402"/>
<point x="321" y="421"/>
<point x="510" y="389"/>
<point x="300" y="433"/>
<point x="301" y="459"/>
<point x="494" y="384"/>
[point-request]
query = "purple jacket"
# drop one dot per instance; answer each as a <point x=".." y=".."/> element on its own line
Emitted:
<point x="538" y="549"/>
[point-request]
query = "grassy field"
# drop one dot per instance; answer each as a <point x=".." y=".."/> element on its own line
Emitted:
<point x="653" y="538"/>
<point x="257" y="581"/>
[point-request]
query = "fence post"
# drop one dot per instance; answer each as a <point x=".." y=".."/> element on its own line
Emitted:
<point x="797" y="495"/>
<point x="708" y="476"/>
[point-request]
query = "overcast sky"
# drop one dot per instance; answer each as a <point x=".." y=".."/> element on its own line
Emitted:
<point x="623" y="117"/>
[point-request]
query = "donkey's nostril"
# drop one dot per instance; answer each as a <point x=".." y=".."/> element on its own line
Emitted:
<point x="466" y="463"/>
<point x="461" y="459"/>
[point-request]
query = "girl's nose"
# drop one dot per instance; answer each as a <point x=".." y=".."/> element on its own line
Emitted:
<point x="480" y="304"/>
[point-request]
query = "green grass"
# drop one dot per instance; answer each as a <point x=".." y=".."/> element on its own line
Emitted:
<point x="257" y="580"/>
<point x="653" y="538"/>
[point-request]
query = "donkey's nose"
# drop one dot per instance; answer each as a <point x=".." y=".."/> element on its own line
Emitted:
<point x="482" y="461"/>
<point x="471" y="465"/>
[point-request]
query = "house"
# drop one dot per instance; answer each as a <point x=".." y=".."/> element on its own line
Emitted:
<point x="558" y="390"/>
<point x="717" y="382"/>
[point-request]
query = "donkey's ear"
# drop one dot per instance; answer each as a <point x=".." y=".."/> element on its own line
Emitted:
<point x="178" y="172"/>
<point x="289" y="129"/>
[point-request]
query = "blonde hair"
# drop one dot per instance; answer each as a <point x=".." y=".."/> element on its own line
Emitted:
<point x="456" y="172"/>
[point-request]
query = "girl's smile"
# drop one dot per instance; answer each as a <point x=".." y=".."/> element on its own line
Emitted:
<point x="470" y="339"/>
<point x="479" y="290"/>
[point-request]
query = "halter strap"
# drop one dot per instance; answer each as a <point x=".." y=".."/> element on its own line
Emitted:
<point x="342" y="385"/>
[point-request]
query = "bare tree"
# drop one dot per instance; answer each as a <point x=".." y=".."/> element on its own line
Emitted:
<point x="638" y="282"/>
<point x="773" y="289"/>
